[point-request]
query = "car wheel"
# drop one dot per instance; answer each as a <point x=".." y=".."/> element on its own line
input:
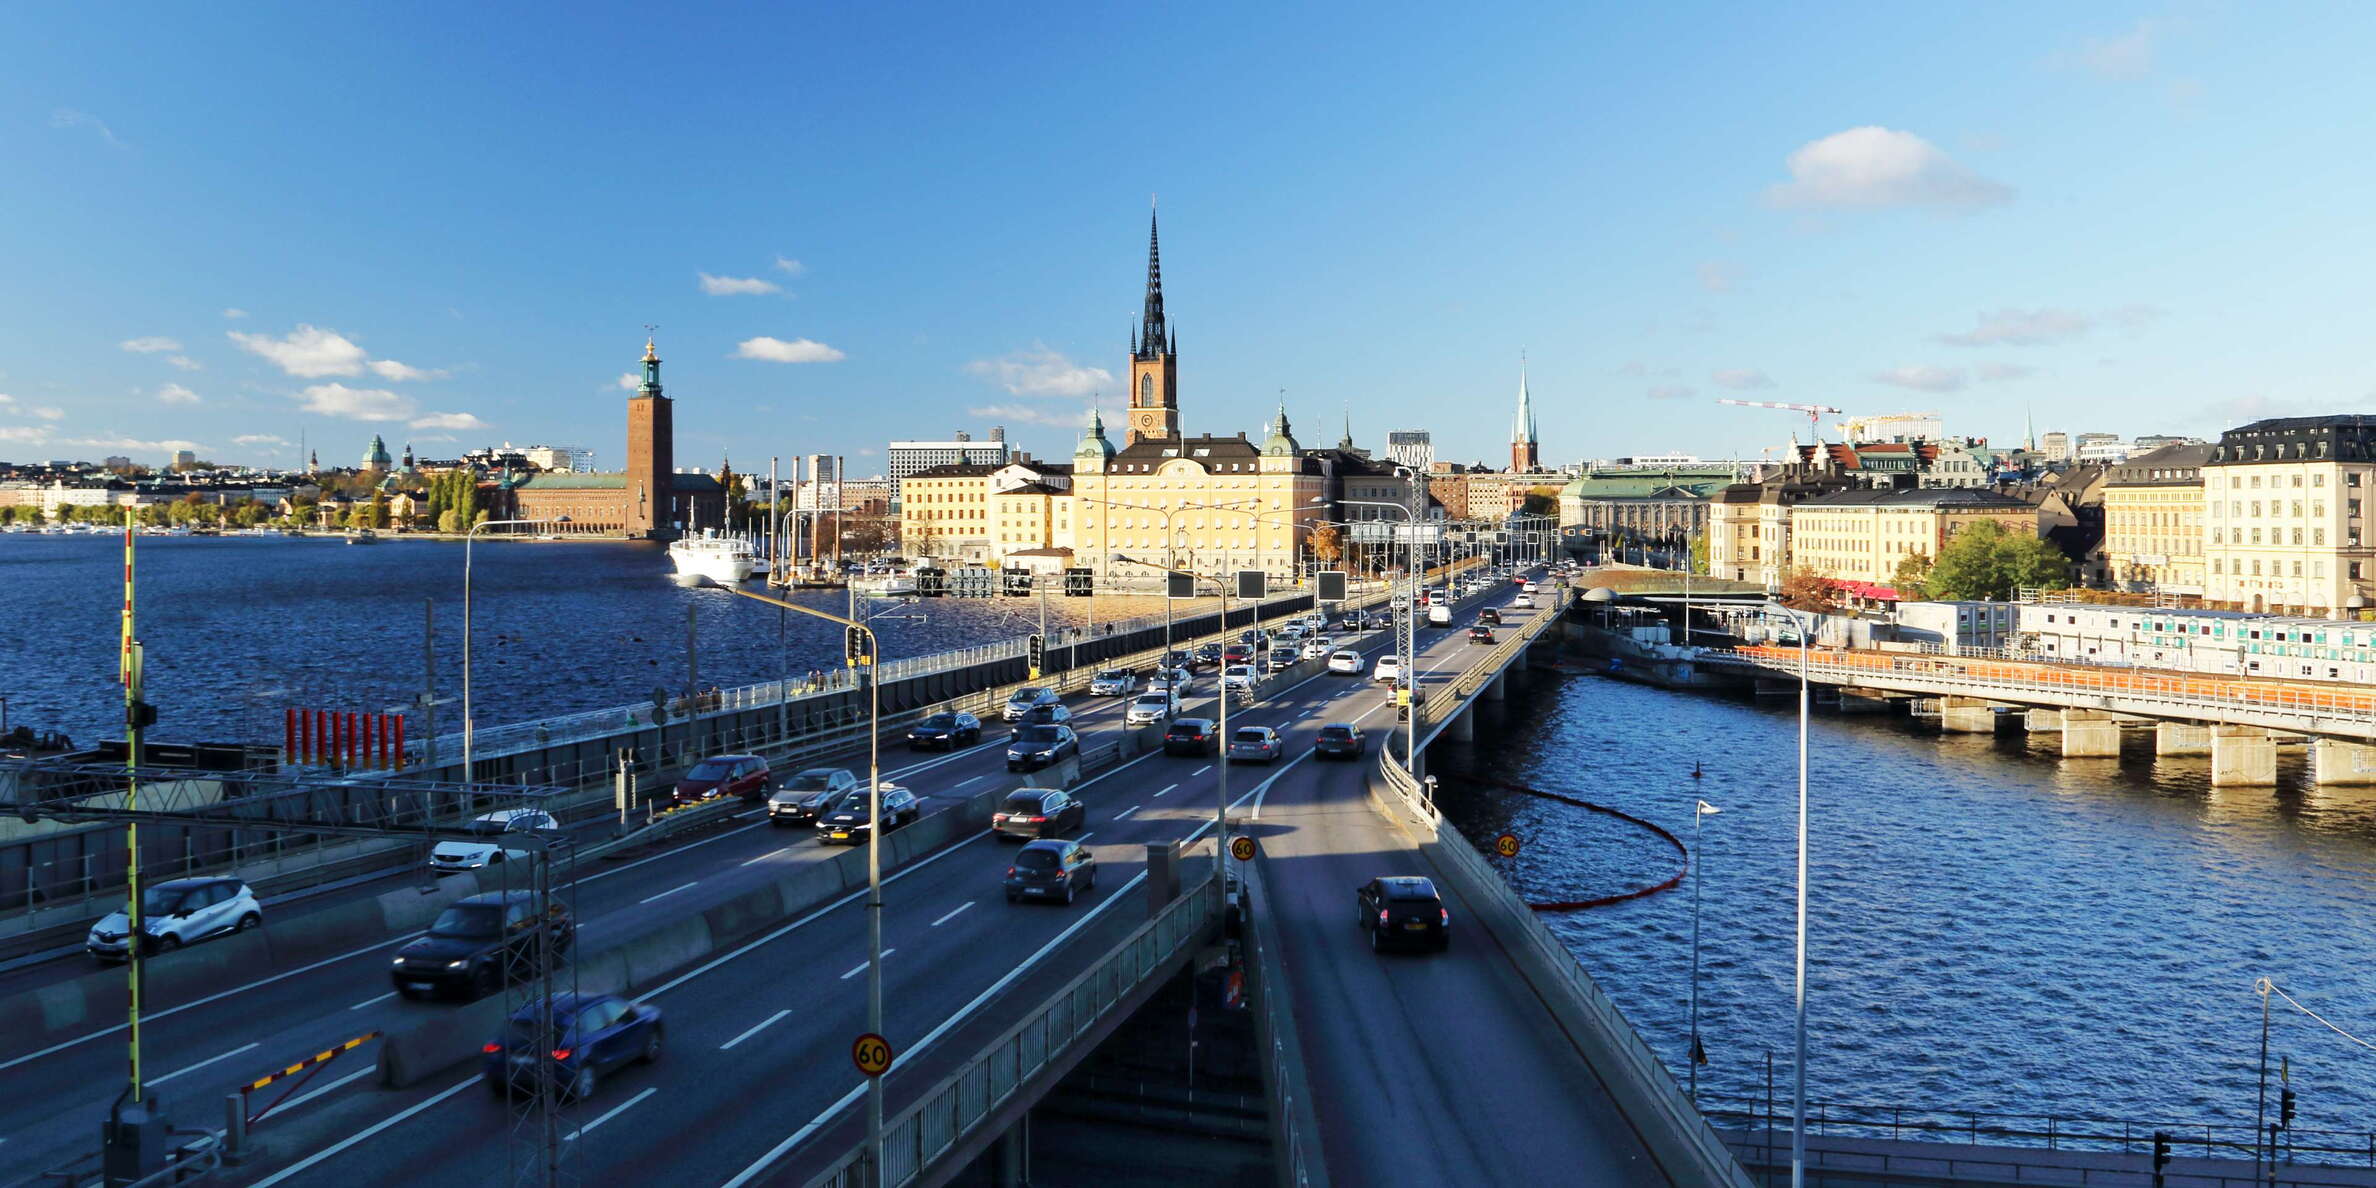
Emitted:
<point x="248" y="921"/>
<point x="1443" y="941"/>
<point x="651" y="1048"/>
<point x="168" y="943"/>
<point x="496" y="1085"/>
<point x="582" y="1086"/>
<point x="406" y="994"/>
<point x="1011" y="897"/>
<point x="1068" y="893"/>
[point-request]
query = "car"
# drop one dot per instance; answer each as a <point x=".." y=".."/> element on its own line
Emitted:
<point x="1294" y="631"/>
<point x="1050" y="715"/>
<point x="1036" y="746"/>
<point x="1255" y="744"/>
<point x="450" y="857"/>
<point x="1252" y="636"/>
<point x="1238" y="653"/>
<point x="1038" y="812"/>
<point x="1404" y="910"/>
<point x="945" y="731"/>
<point x="1051" y="869"/>
<point x="1208" y="654"/>
<point x="1151" y="708"/>
<point x="1181" y="660"/>
<point x="1439" y="615"/>
<point x="1282" y="659"/>
<point x="480" y="943"/>
<point x="1337" y="740"/>
<point x="1480" y="634"/>
<point x="1523" y="602"/>
<point x="1386" y="670"/>
<point x="803" y="798"/>
<point x="1238" y="676"/>
<point x="1190" y="736"/>
<point x="591" y="1035"/>
<point x="1490" y="617"/>
<point x="848" y="820"/>
<point x="1173" y="685"/>
<point x="1317" y="648"/>
<point x="174" y="913"/>
<point x="1021" y="702"/>
<point x="1354" y="621"/>
<point x="1114" y="682"/>
<point x="1526" y="586"/>
<point x="722" y="775"/>
<point x="1345" y="661"/>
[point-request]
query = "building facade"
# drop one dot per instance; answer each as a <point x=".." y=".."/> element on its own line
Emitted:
<point x="2285" y="504"/>
<point x="650" y="499"/>
<point x="903" y="458"/>
<point x="1862" y="535"/>
<point x="2153" y="521"/>
<point x="1414" y="448"/>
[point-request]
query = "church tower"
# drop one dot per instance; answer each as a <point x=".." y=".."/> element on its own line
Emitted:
<point x="1154" y="362"/>
<point x="1526" y="456"/>
<point x="651" y="456"/>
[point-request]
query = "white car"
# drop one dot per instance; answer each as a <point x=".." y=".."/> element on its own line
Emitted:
<point x="449" y="857"/>
<point x="1238" y="676"/>
<point x="1346" y="661"/>
<point x="1528" y="588"/>
<point x="1387" y="670"/>
<point x="1439" y="615"/>
<point x="1523" y="602"/>
<point x="1114" y="682"/>
<point x="1152" y="707"/>
<point x="175" y="913"/>
<point x="1179" y="683"/>
<point x="1316" y="648"/>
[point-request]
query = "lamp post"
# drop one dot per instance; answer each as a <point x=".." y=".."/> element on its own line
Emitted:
<point x="1406" y="636"/>
<point x="1166" y="566"/>
<point x="469" y="724"/>
<point x="1698" y="1054"/>
<point x="1798" y="1064"/>
<point x="1221" y="808"/>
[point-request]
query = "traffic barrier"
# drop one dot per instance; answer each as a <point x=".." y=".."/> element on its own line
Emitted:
<point x="204" y="968"/>
<point x="431" y="1044"/>
<point x="655" y="954"/>
<point x="745" y="913"/>
<point x="311" y="936"/>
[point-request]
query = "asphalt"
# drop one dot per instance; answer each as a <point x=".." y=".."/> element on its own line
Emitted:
<point x="756" y="1082"/>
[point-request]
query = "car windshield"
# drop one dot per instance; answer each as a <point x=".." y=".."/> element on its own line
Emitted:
<point x="469" y="920"/>
<point x="1252" y="734"/>
<point x="1111" y="675"/>
<point x="1188" y="726"/>
<point x="1157" y="701"/>
<point x="940" y="722"/>
<point x="710" y="769"/>
<point x="1385" y="659"/>
<point x="488" y="825"/>
<point x="1036" y="859"/>
<point x="1414" y="891"/>
<point x="1023" y="802"/>
<point x="1336" y="733"/>
<point x="1037" y="734"/>
<point x="1026" y="696"/>
<point x="812" y="781"/>
<point x="1240" y="670"/>
<point x="855" y="802"/>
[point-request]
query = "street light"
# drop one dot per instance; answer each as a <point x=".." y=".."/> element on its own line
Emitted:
<point x="1221" y="809"/>
<point x="1168" y="538"/>
<point x="1406" y="638"/>
<point x="1699" y="1055"/>
<point x="468" y="723"/>
<point x="1798" y="1064"/>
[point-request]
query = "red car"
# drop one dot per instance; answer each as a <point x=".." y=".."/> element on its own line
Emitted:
<point x="723" y="775"/>
<point x="1237" y="654"/>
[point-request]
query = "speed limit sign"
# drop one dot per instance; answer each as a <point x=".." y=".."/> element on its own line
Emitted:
<point x="871" y="1053"/>
<point x="1506" y="845"/>
<point x="1241" y="848"/>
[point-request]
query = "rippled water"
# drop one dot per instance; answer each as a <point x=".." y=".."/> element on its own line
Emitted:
<point x="239" y="628"/>
<point x="1992" y="928"/>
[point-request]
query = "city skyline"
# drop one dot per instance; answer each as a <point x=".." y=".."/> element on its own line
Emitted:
<point x="211" y="267"/>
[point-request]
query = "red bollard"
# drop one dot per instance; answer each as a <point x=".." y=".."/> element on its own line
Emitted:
<point x="289" y="736"/>
<point x="399" y="724"/>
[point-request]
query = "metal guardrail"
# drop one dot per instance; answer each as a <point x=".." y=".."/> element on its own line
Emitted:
<point x="2211" y="1140"/>
<point x="1295" y="1122"/>
<point x="954" y="1109"/>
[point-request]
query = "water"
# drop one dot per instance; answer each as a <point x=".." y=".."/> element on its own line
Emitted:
<point x="1992" y="928"/>
<point x="238" y="629"/>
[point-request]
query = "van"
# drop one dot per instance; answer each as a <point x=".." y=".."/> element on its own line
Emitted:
<point x="1439" y="615"/>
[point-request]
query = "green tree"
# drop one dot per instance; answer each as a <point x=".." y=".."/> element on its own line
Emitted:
<point x="449" y="521"/>
<point x="1986" y="561"/>
<point x="379" y="509"/>
<point x="1913" y="575"/>
<point x="1699" y="552"/>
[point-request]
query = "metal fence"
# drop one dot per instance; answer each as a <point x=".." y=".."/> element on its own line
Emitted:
<point x="2210" y="1140"/>
<point x="1295" y="1123"/>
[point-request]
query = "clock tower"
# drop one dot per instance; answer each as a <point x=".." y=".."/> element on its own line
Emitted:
<point x="1154" y="362"/>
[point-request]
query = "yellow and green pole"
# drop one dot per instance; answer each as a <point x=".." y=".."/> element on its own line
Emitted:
<point x="128" y="666"/>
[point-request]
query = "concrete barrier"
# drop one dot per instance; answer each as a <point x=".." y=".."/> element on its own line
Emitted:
<point x="434" y="1043"/>
<point x="340" y="928"/>
<point x="746" y="913"/>
<point x="654" y="955"/>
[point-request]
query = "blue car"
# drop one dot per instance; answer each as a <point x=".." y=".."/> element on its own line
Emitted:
<point x="595" y="1033"/>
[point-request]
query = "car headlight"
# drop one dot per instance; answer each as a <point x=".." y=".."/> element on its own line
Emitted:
<point x="398" y="961"/>
<point x="456" y="964"/>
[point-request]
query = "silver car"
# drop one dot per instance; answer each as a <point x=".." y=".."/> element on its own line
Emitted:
<point x="176" y="913"/>
<point x="1255" y="744"/>
<point x="1151" y="708"/>
<point x="1114" y="682"/>
<point x="1020" y="704"/>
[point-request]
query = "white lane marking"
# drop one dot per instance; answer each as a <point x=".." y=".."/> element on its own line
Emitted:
<point x="999" y="987"/>
<point x="1126" y="812"/>
<point x="975" y="780"/>
<point x="756" y="1028"/>
<point x="368" y="1001"/>
<point x="953" y="914"/>
<point x="860" y="968"/>
<point x="349" y="1079"/>
<point x="761" y="858"/>
<point x="362" y="1134"/>
<point x="617" y="1110"/>
<point x="671" y="891"/>
<point x="1167" y="788"/>
<point x="1201" y="770"/>
<point x="1086" y="836"/>
<point x="203" y="1063"/>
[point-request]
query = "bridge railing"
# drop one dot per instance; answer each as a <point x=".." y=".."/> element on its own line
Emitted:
<point x="1447" y="698"/>
<point x="955" y="1109"/>
<point x="1294" y="1118"/>
<point x="2210" y="1140"/>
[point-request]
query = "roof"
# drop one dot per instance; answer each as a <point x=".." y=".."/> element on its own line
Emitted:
<point x="557" y="481"/>
<point x="1030" y="489"/>
<point x="1665" y="484"/>
<point x="958" y="470"/>
<point x="1956" y="498"/>
<point x="2180" y="465"/>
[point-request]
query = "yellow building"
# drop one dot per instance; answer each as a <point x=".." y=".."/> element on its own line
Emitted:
<point x="1203" y="504"/>
<point x="1861" y="535"/>
<point x="2284" y="508"/>
<point x="2153" y="521"/>
<point x="945" y="512"/>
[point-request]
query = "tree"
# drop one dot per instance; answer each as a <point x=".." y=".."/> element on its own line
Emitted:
<point x="1985" y="561"/>
<point x="449" y="521"/>
<point x="1699" y="552"/>
<point x="379" y="510"/>
<point x="1328" y="544"/>
<point x="1805" y="588"/>
<point x="1913" y="575"/>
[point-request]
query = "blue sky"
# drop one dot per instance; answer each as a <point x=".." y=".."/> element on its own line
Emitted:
<point x="448" y="223"/>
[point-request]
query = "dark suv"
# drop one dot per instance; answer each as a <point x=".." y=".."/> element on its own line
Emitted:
<point x="1191" y="736"/>
<point x="1404" y="910"/>
<point x="1038" y="812"/>
<point x="478" y="944"/>
<point x="847" y="822"/>
<point x="1037" y="745"/>
<point x="1056" y="870"/>
<point x="1338" y="740"/>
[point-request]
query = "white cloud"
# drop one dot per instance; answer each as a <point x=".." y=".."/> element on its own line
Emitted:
<point x="2124" y="58"/>
<point x="1030" y="414"/>
<point x="24" y="434"/>
<point x="186" y="363"/>
<point x="136" y="445"/>
<point x="307" y="352"/>
<point x="630" y="381"/>
<point x="737" y="286"/>
<point x="1741" y="378"/>
<point x="390" y="369"/>
<point x="1716" y="276"/>
<point x="1041" y="371"/>
<point x="360" y="404"/>
<point x="1922" y="379"/>
<point x="1634" y="367"/>
<point x="789" y="266"/>
<point x="1669" y="392"/>
<point x="776" y="350"/>
<point x="176" y="394"/>
<point x="48" y="413"/>
<point x="1995" y="372"/>
<point x="67" y="117"/>
<point x="453" y="420"/>
<point x="1874" y="166"/>
<point x="5" y="398"/>
<point x="235" y="312"/>
<point x="2022" y="327"/>
<point x="150" y="344"/>
<point x="259" y="439"/>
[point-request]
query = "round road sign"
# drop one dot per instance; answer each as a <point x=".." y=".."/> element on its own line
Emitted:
<point x="1506" y="845"/>
<point x="871" y="1053"/>
<point x="1241" y="848"/>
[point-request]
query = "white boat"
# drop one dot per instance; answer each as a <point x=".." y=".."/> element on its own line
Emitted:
<point x="885" y="585"/>
<point x="713" y="560"/>
<point x="356" y="536"/>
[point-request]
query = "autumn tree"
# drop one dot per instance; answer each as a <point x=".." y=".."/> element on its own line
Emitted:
<point x="1912" y="576"/>
<point x="1808" y="589"/>
<point x="1328" y="544"/>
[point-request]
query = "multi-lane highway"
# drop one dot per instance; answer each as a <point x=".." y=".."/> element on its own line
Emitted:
<point x="757" y="1035"/>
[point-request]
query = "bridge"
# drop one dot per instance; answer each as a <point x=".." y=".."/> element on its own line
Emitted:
<point x="755" y="947"/>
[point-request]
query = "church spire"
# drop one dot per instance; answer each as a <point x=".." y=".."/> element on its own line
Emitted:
<point x="1153" y="340"/>
<point x="1522" y="427"/>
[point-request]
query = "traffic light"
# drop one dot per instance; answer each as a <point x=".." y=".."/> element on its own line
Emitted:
<point x="139" y="715"/>
<point x="1039" y="654"/>
<point x="1079" y="583"/>
<point x="2161" y="1151"/>
<point x="2285" y="1108"/>
<point x="1332" y="585"/>
<point x="854" y="648"/>
<point x="1249" y="585"/>
<point x="1180" y="586"/>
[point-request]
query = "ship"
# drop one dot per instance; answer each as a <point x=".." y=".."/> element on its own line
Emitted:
<point x="710" y="559"/>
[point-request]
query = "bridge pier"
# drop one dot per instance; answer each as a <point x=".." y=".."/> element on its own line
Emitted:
<point x="2039" y="721"/>
<point x="2243" y="757"/>
<point x="2334" y="762"/>
<point x="1463" y="726"/>
<point x="1776" y="688"/>
<point x="1010" y="1155"/>
<point x="2090" y="734"/>
<point x="1967" y="715"/>
<point x="1863" y="701"/>
<point x="2181" y="738"/>
<point x="1494" y="689"/>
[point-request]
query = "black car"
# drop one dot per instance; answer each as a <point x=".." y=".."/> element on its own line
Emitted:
<point x="1338" y="740"/>
<point x="1039" y="745"/>
<point x="1191" y="736"/>
<point x="1050" y="715"/>
<point x="1404" y="910"/>
<point x="1208" y="655"/>
<point x="591" y="1035"/>
<point x="1354" y="621"/>
<point x="1055" y="870"/>
<point x="1490" y="617"/>
<point x="1038" y="812"/>
<point x="479" y="943"/>
<point x="1480" y="634"/>
<point x="945" y="732"/>
<point x="848" y="820"/>
<point x="1179" y="659"/>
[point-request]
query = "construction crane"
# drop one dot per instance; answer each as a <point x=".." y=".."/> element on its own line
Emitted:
<point x="1814" y="413"/>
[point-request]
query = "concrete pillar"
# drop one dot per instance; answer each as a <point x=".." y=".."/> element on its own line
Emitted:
<point x="1011" y="1161"/>
<point x="1463" y="726"/>
<point x="1494" y="690"/>
<point x="2242" y="757"/>
<point x="2335" y="762"/>
<point x="1770" y="688"/>
<point x="1966" y="715"/>
<point x="2042" y="721"/>
<point x="1863" y="701"/>
<point x="2181" y="738"/>
<point x="2089" y="734"/>
<point x="1163" y="876"/>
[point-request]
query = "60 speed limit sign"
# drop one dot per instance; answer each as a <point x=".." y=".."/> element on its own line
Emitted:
<point x="1506" y="845"/>
<point x="1241" y="848"/>
<point x="871" y="1053"/>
